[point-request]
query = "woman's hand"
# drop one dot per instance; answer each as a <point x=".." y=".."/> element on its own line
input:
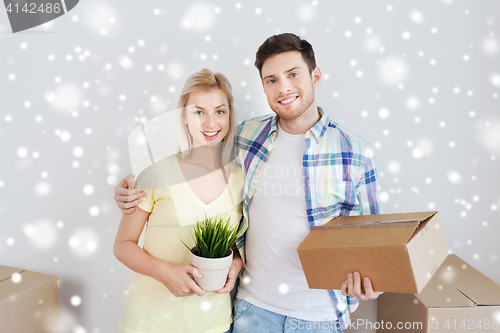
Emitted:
<point x="177" y="278"/>
<point x="234" y="271"/>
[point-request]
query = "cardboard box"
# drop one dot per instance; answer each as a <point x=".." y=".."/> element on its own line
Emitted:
<point x="458" y="298"/>
<point x="29" y="301"/>
<point x="398" y="252"/>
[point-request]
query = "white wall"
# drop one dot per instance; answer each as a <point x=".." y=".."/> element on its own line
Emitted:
<point x="437" y="147"/>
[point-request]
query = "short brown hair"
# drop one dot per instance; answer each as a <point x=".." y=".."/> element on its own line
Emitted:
<point x="283" y="43"/>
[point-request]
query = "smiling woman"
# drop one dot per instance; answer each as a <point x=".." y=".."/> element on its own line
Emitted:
<point x="207" y="115"/>
<point x="179" y="189"/>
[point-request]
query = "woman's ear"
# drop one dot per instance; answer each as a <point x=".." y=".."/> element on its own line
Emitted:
<point x="183" y="115"/>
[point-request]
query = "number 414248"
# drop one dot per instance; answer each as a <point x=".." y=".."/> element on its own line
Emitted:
<point x="472" y="324"/>
<point x="33" y="8"/>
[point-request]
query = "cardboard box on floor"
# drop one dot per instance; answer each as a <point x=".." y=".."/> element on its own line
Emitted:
<point x="29" y="301"/>
<point x="458" y="298"/>
<point x="398" y="252"/>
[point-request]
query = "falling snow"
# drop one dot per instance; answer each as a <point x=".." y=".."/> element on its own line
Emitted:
<point x="425" y="98"/>
<point x="393" y="70"/>
<point x="16" y="277"/>
<point x="76" y="300"/>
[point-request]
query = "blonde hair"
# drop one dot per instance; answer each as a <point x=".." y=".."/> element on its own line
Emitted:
<point x="206" y="80"/>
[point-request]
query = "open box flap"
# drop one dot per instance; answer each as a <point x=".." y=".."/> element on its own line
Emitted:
<point x="456" y="284"/>
<point x="358" y="236"/>
<point x="474" y="284"/>
<point x="380" y="218"/>
<point x="368" y="230"/>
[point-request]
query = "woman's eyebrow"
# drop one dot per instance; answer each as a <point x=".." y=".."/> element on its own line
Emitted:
<point x="199" y="107"/>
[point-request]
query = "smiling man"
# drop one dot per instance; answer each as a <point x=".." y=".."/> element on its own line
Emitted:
<point x="300" y="170"/>
<point x="289" y="86"/>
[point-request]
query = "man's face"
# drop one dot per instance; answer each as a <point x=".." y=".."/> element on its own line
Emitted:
<point x="288" y="85"/>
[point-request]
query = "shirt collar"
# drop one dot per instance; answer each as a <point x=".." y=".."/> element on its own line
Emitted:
<point x="317" y="131"/>
<point x="274" y="128"/>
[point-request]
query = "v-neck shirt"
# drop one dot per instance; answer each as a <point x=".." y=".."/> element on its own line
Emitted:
<point x="174" y="207"/>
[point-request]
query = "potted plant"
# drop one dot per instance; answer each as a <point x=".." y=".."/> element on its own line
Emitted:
<point x="212" y="255"/>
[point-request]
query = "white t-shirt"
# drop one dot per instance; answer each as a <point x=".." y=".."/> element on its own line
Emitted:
<point x="273" y="278"/>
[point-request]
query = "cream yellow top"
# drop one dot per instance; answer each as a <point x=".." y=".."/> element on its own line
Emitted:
<point x="149" y="305"/>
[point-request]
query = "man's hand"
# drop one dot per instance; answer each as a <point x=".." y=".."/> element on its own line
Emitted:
<point x="126" y="196"/>
<point x="352" y="287"/>
<point x="234" y="270"/>
<point x="177" y="278"/>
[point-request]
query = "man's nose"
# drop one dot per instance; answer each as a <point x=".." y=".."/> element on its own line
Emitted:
<point x="284" y="86"/>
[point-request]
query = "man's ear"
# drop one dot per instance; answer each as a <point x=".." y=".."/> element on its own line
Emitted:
<point x="316" y="76"/>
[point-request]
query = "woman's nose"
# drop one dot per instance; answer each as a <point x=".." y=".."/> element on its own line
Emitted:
<point x="209" y="121"/>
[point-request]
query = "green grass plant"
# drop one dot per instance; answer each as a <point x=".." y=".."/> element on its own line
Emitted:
<point x="213" y="237"/>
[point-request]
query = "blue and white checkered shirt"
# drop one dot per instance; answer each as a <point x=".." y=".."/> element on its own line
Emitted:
<point x="339" y="177"/>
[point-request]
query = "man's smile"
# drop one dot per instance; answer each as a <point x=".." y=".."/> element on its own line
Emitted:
<point x="288" y="100"/>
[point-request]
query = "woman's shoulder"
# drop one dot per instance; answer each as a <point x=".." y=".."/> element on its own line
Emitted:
<point x="237" y="176"/>
<point x="155" y="176"/>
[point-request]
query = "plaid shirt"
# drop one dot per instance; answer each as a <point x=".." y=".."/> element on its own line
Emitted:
<point x="339" y="177"/>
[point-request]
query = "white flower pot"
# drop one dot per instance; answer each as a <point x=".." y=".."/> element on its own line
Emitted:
<point x="214" y="271"/>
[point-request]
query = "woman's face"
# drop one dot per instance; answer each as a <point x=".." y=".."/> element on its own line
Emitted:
<point x="207" y="116"/>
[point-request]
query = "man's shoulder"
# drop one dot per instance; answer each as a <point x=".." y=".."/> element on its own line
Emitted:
<point x="343" y="133"/>
<point x="256" y="124"/>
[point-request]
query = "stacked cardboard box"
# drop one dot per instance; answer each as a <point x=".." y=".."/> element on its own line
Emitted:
<point x="29" y="301"/>
<point x="457" y="299"/>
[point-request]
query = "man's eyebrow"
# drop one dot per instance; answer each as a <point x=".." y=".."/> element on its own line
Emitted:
<point x="287" y="71"/>
<point x="292" y="69"/>
<point x="267" y="77"/>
